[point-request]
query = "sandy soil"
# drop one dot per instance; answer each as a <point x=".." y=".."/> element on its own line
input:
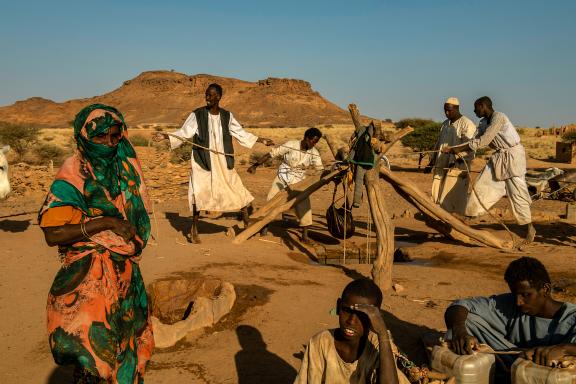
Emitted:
<point x="283" y="296"/>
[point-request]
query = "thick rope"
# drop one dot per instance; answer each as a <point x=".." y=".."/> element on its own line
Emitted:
<point x="229" y="154"/>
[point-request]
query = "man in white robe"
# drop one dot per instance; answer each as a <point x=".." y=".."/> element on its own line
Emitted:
<point x="504" y="174"/>
<point x="214" y="184"/>
<point x="450" y="181"/>
<point x="297" y="156"/>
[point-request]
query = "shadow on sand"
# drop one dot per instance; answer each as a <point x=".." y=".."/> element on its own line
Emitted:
<point x="255" y="364"/>
<point x="14" y="225"/>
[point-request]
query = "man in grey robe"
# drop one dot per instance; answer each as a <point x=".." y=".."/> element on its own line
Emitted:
<point x="504" y="174"/>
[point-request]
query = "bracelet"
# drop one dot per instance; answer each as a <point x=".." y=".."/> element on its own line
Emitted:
<point x="83" y="230"/>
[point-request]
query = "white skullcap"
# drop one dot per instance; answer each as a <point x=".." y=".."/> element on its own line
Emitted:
<point x="452" y="100"/>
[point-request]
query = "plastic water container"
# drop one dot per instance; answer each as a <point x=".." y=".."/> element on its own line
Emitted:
<point x="467" y="369"/>
<point x="526" y="372"/>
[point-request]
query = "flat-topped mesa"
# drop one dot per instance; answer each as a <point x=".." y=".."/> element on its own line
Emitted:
<point x="169" y="81"/>
<point x="294" y="85"/>
<point x="168" y="97"/>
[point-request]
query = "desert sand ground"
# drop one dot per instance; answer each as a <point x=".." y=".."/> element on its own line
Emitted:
<point x="284" y="297"/>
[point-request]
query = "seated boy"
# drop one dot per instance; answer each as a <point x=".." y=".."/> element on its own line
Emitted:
<point x="351" y="353"/>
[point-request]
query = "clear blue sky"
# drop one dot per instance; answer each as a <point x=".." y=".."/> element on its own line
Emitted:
<point x="395" y="59"/>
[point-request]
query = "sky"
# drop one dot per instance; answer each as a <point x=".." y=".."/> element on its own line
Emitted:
<point x="393" y="58"/>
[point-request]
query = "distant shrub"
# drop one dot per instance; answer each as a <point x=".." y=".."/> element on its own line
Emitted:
<point x="255" y="156"/>
<point x="48" y="138"/>
<point x="139" y="141"/>
<point x="45" y="152"/>
<point x="158" y="128"/>
<point x="181" y="154"/>
<point x="569" y="136"/>
<point x="20" y="137"/>
<point x="328" y="126"/>
<point x="414" y="122"/>
<point x="422" y="138"/>
<point x="521" y="131"/>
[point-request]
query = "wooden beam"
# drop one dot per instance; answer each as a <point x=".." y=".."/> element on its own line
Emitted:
<point x="274" y="211"/>
<point x="422" y="202"/>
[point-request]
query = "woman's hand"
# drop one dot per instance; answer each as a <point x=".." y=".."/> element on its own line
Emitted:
<point x="122" y="228"/>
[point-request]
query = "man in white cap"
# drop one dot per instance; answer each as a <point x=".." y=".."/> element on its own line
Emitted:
<point x="450" y="182"/>
<point x="504" y="174"/>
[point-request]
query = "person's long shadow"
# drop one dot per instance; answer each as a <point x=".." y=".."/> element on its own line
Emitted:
<point x="183" y="224"/>
<point x="255" y="364"/>
<point x="62" y="375"/>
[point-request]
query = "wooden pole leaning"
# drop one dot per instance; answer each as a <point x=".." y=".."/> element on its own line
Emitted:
<point x="285" y="203"/>
<point x="442" y="221"/>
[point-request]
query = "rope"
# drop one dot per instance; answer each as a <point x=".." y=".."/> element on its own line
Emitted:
<point x="368" y="236"/>
<point x="476" y="194"/>
<point x="501" y="222"/>
<point x="229" y="154"/>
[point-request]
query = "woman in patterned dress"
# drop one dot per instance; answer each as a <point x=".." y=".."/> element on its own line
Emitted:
<point x="95" y="212"/>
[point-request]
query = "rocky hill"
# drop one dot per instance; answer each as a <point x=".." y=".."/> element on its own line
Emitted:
<point x="165" y="97"/>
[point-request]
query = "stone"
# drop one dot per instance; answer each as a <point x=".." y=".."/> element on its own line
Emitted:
<point x="398" y="288"/>
<point x="182" y="306"/>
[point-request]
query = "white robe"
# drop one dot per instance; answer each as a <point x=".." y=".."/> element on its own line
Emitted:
<point x="450" y="186"/>
<point x="293" y="170"/>
<point x="221" y="189"/>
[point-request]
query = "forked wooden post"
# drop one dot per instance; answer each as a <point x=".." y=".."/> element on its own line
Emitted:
<point x="382" y="266"/>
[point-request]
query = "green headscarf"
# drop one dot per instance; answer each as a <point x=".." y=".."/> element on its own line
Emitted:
<point x="108" y="172"/>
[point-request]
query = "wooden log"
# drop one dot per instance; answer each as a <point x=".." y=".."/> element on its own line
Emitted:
<point x="261" y="222"/>
<point x="284" y="196"/>
<point x="382" y="265"/>
<point x="338" y="153"/>
<point x="437" y="213"/>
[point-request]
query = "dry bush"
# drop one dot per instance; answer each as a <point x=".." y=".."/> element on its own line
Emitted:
<point x="20" y="137"/>
<point x="255" y="156"/>
<point x="569" y="137"/>
<point x="42" y="153"/>
<point x="139" y="140"/>
<point x="181" y="154"/>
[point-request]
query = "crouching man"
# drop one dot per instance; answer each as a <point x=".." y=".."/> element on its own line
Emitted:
<point x="527" y="318"/>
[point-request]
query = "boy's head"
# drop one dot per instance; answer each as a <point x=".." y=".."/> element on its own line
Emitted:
<point x="311" y="138"/>
<point x="530" y="283"/>
<point x="355" y="324"/>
